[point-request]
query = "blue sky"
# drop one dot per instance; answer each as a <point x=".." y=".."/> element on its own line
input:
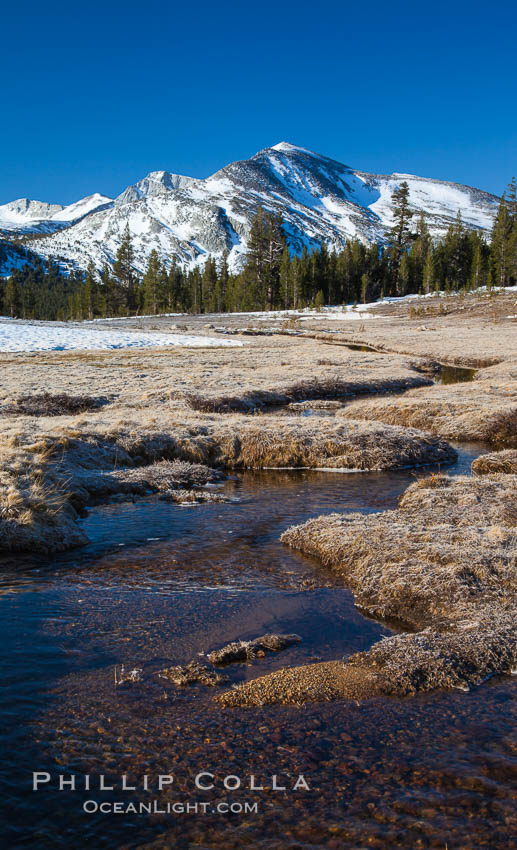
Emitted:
<point x="95" y="95"/>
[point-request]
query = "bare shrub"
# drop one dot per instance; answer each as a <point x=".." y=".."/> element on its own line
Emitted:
<point x="47" y="404"/>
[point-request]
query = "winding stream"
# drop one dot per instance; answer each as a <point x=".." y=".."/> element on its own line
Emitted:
<point x="159" y="584"/>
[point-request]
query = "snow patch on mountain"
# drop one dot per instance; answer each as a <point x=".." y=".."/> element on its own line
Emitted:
<point x="439" y="200"/>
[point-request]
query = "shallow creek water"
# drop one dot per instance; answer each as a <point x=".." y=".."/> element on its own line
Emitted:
<point x="159" y="584"/>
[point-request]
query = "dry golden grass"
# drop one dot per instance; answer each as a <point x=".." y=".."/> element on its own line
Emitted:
<point x="505" y="462"/>
<point x="35" y="511"/>
<point x="482" y="410"/>
<point x="147" y="420"/>
<point x="240" y="442"/>
<point x="460" y="337"/>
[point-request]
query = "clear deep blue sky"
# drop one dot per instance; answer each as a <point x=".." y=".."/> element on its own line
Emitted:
<point x="95" y="95"/>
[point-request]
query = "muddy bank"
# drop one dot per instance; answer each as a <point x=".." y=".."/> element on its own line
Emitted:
<point x="444" y="564"/>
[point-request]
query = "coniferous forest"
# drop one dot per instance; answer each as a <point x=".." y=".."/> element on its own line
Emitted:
<point x="408" y="261"/>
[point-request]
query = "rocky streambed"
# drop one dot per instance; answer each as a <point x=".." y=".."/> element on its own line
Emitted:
<point x="159" y="586"/>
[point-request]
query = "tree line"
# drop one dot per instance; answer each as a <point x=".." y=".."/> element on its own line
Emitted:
<point x="407" y="261"/>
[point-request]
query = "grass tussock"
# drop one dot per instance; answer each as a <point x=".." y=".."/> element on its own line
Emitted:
<point x="496" y="462"/>
<point x="47" y="404"/>
<point x="171" y="475"/>
<point x="459" y="414"/>
<point x="175" y="481"/>
<point x="444" y="564"/>
<point x="35" y="511"/>
<point x="241" y="442"/>
<point x="44" y="484"/>
<point x="282" y="442"/>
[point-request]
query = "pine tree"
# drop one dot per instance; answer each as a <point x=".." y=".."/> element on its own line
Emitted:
<point x="512" y="236"/>
<point x="90" y="288"/>
<point x="418" y="253"/>
<point x="332" y="278"/>
<point x="262" y="272"/>
<point x="319" y="301"/>
<point x="428" y="273"/>
<point x="286" y="284"/>
<point x="13" y="298"/>
<point x="195" y="287"/>
<point x="209" y="285"/>
<point x="501" y="244"/>
<point x="511" y="201"/>
<point x="221" y="287"/>
<point x="296" y="280"/>
<point x="403" y="275"/>
<point x="255" y="269"/>
<point x="400" y="233"/>
<point x="123" y="268"/>
<point x="364" y="287"/>
<point x="114" y="297"/>
<point x="153" y="284"/>
<point x="476" y="269"/>
<point x="275" y="249"/>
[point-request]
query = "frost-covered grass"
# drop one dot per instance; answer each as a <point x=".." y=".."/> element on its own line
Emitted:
<point x="52" y="336"/>
<point x="443" y="563"/>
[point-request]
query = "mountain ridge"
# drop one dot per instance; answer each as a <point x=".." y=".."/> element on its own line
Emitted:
<point x="319" y="200"/>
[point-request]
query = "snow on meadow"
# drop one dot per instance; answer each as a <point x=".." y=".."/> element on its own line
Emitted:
<point x="52" y="336"/>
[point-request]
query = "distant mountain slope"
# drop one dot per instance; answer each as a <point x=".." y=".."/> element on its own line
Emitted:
<point x="318" y="199"/>
<point x="25" y="216"/>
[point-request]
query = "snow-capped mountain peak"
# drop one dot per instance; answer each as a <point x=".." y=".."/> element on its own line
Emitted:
<point x="318" y="199"/>
<point x="26" y="216"/>
<point x="287" y="147"/>
<point x="83" y="207"/>
<point x="154" y="184"/>
<point x="23" y="210"/>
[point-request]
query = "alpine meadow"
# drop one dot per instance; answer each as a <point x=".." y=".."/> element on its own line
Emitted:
<point x="258" y="445"/>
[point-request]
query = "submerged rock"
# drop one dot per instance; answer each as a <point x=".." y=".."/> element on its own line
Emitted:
<point x="246" y="650"/>
<point x="191" y="674"/>
<point x="193" y="497"/>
